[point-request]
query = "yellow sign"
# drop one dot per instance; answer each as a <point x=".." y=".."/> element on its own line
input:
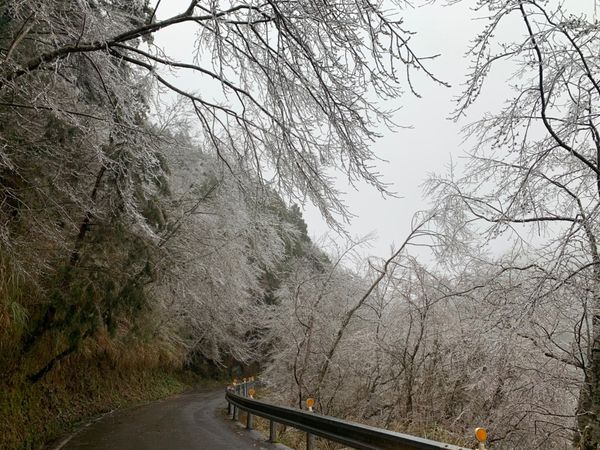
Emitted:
<point x="310" y="402"/>
<point x="481" y="434"/>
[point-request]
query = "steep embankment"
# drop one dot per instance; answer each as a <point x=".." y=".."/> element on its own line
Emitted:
<point x="82" y="386"/>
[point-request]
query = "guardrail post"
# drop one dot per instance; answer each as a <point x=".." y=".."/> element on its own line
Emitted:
<point x="249" y="417"/>
<point x="236" y="413"/>
<point x="272" y="431"/>
<point x="233" y="411"/>
<point x="310" y="439"/>
<point x="227" y="389"/>
<point x="249" y="421"/>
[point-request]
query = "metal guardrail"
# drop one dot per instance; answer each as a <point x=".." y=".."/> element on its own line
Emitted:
<point x="351" y="434"/>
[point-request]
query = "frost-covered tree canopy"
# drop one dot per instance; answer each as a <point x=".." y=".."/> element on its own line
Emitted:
<point x="145" y="223"/>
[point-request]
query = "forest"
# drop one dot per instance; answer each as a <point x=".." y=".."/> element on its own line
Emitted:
<point x="151" y="231"/>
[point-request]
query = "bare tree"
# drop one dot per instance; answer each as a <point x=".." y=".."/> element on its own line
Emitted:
<point x="534" y="177"/>
<point x="295" y="78"/>
<point x="314" y="293"/>
<point x="83" y="168"/>
<point x="220" y="242"/>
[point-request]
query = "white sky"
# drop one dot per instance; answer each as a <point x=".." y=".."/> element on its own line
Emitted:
<point x="411" y="154"/>
<point x="434" y="140"/>
<point x="428" y="147"/>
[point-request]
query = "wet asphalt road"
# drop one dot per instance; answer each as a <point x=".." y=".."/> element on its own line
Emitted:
<point x="190" y="421"/>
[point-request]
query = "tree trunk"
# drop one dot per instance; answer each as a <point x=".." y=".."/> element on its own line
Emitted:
<point x="588" y="413"/>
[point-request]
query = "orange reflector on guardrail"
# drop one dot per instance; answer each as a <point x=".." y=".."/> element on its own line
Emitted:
<point x="481" y="434"/>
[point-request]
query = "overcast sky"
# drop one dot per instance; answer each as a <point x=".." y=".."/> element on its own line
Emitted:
<point x="433" y="140"/>
<point x="427" y="147"/>
<point x="411" y="154"/>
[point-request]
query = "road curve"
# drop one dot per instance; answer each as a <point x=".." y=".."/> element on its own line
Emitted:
<point x="191" y="421"/>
